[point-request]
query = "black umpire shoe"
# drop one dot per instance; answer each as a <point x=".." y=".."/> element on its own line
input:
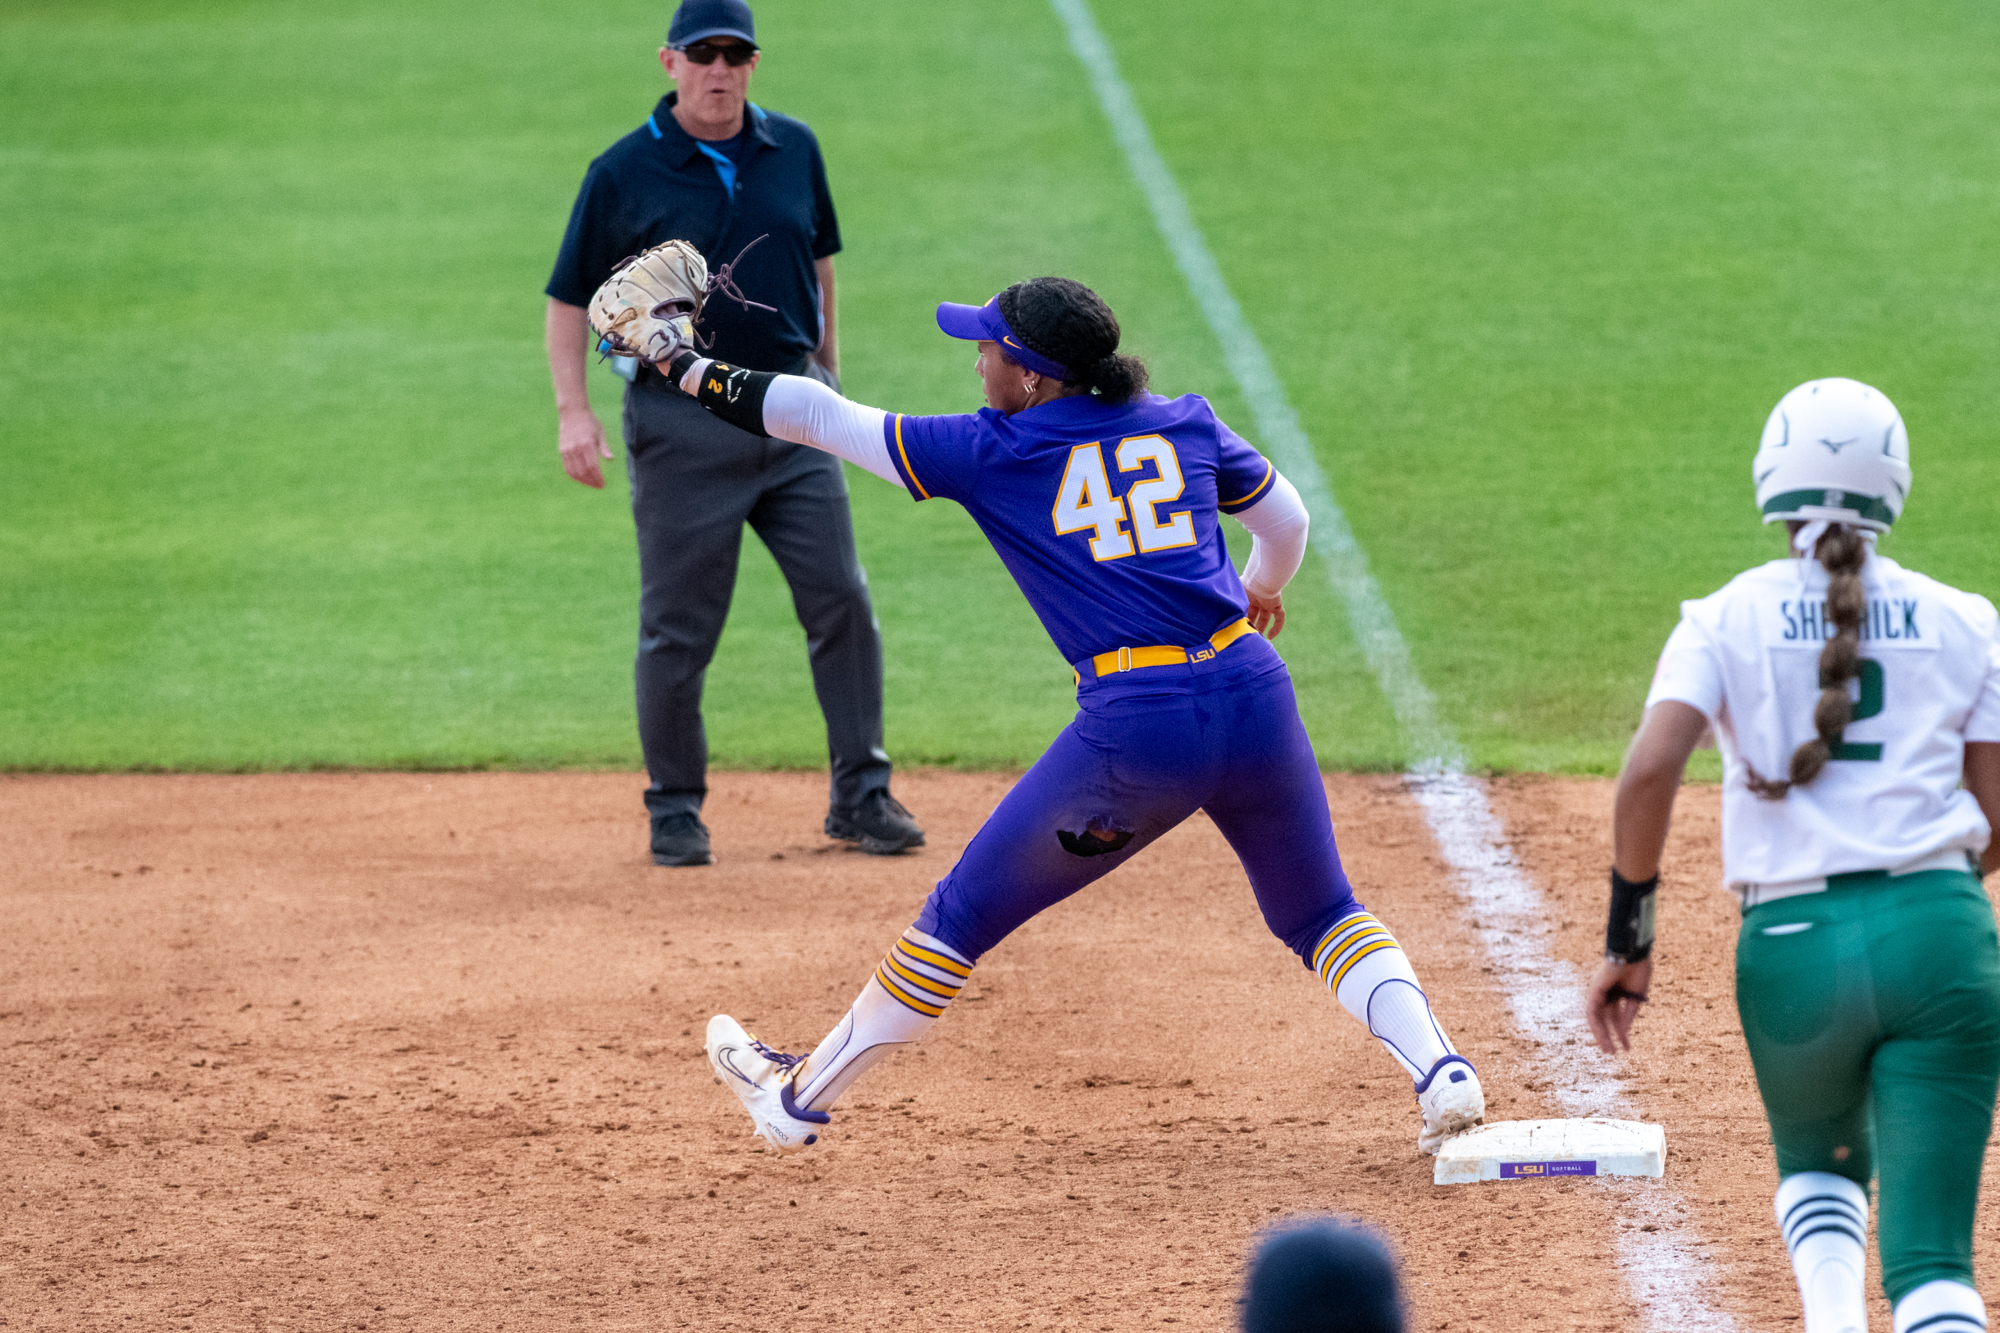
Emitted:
<point x="879" y="824"/>
<point x="681" y="840"/>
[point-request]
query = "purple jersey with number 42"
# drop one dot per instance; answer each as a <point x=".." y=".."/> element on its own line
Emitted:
<point x="1106" y="516"/>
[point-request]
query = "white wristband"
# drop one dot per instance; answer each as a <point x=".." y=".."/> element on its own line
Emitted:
<point x="691" y="379"/>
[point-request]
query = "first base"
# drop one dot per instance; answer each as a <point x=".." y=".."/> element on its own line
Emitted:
<point x="1538" y="1149"/>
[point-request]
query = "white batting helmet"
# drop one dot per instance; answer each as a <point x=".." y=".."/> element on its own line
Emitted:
<point x="1833" y="449"/>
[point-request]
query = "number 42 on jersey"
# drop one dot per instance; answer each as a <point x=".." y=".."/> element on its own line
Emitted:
<point x="1085" y="499"/>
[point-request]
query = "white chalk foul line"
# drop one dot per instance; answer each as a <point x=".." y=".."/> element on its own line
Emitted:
<point x="1667" y="1273"/>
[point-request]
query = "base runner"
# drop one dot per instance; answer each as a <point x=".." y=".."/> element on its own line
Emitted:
<point x="1105" y="503"/>
<point x="1857" y="708"/>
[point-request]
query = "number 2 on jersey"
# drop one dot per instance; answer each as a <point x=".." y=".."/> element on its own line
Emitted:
<point x="1867" y="706"/>
<point x="1085" y="500"/>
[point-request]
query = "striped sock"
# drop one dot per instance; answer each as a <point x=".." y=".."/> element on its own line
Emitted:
<point x="1368" y="972"/>
<point x="1942" y="1306"/>
<point x="1824" y="1218"/>
<point x="909" y="992"/>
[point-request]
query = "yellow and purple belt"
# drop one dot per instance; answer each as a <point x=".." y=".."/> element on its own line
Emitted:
<point x="1132" y="659"/>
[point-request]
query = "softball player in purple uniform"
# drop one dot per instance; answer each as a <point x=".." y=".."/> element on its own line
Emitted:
<point x="1104" y="501"/>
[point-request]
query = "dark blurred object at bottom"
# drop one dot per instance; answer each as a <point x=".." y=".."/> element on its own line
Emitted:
<point x="1321" y="1276"/>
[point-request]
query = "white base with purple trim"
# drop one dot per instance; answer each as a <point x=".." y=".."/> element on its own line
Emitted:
<point x="1540" y="1149"/>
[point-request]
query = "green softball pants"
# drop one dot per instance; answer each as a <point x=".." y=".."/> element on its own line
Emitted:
<point x="1872" y="1012"/>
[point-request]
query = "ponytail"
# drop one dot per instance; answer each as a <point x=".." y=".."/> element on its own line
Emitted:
<point x="1115" y="378"/>
<point x="1842" y="551"/>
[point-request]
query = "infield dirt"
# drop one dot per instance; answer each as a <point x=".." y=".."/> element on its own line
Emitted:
<point x="424" y="1052"/>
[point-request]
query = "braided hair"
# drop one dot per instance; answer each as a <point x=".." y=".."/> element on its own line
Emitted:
<point x="1068" y="323"/>
<point x="1843" y="551"/>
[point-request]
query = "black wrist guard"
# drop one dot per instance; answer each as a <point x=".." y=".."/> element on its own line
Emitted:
<point x="736" y="395"/>
<point x="1629" y="936"/>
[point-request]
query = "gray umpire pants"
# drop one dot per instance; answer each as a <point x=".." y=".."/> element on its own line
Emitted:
<point x="696" y="481"/>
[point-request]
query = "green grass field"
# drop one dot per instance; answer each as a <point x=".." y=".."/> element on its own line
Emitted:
<point x="277" y="474"/>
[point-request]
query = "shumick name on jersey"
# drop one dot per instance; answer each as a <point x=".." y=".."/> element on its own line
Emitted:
<point x="1748" y="658"/>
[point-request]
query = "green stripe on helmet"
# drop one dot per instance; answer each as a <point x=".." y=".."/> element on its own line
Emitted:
<point x="1871" y="508"/>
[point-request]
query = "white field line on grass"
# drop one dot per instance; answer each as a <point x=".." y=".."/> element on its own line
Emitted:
<point x="1665" y="1269"/>
<point x="1277" y="425"/>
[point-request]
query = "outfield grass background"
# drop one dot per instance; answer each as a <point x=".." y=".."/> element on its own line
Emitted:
<point x="277" y="473"/>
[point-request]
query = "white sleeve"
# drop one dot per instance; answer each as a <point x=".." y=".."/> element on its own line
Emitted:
<point x="1688" y="671"/>
<point x="1278" y="525"/>
<point x="807" y="412"/>
<point x="1984" y="724"/>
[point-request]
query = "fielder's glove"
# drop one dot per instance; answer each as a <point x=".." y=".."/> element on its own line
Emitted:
<point x="648" y="306"/>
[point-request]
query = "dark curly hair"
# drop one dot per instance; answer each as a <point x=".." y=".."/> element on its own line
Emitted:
<point x="1068" y="323"/>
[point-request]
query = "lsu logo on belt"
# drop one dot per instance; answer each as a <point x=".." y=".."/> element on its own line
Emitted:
<point x="1202" y="656"/>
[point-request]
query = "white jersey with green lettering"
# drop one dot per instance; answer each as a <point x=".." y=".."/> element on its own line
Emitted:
<point x="1748" y="658"/>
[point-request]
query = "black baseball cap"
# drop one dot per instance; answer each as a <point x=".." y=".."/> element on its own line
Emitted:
<point x="699" y="19"/>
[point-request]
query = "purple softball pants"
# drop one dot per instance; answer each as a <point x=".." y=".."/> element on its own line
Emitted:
<point x="1147" y="749"/>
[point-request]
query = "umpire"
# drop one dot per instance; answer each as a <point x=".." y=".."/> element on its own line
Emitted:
<point x="712" y="168"/>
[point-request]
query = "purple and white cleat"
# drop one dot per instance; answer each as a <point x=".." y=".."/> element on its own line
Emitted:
<point x="761" y="1078"/>
<point x="1451" y="1099"/>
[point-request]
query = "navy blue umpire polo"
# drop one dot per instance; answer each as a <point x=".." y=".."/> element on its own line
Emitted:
<point x="657" y="184"/>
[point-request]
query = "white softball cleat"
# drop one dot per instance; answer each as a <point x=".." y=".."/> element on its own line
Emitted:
<point x="761" y="1078"/>
<point x="1450" y="1098"/>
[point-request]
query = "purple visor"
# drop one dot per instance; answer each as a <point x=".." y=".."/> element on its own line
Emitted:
<point x="975" y="323"/>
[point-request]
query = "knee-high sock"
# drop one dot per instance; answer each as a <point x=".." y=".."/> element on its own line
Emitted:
<point x="908" y="993"/>
<point x="1942" y="1306"/>
<point x="1367" y="971"/>
<point x="1825" y="1221"/>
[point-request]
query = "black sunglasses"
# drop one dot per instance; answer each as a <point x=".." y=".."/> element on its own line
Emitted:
<point x="704" y="53"/>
